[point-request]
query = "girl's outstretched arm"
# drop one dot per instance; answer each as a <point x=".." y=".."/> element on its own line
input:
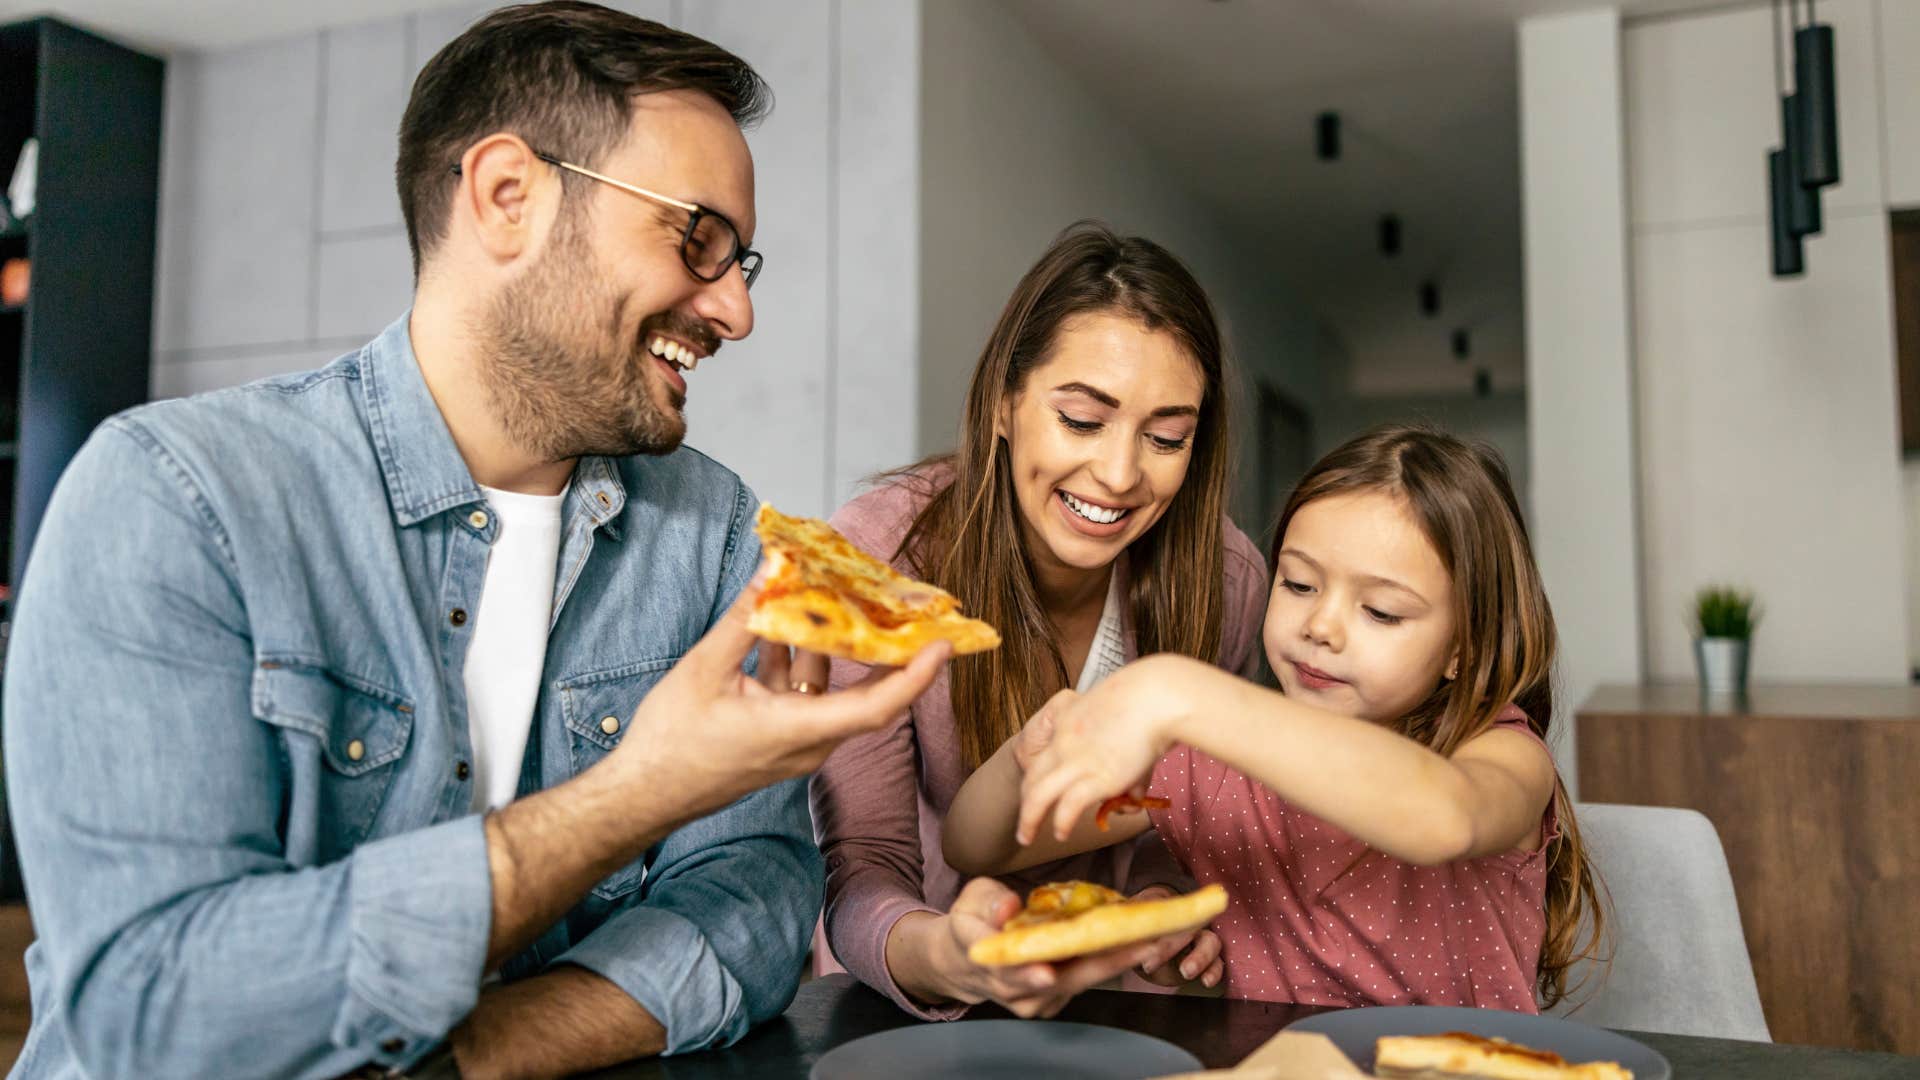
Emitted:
<point x="977" y="835"/>
<point x="1383" y="788"/>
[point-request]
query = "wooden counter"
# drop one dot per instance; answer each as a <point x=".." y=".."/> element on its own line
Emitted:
<point x="1816" y="793"/>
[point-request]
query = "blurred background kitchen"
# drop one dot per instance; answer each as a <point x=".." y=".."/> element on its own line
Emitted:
<point x="1544" y="223"/>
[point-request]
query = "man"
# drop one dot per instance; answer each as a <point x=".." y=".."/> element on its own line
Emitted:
<point x="281" y="642"/>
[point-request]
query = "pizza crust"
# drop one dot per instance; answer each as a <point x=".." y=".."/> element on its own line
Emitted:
<point x="827" y="596"/>
<point x="1099" y="928"/>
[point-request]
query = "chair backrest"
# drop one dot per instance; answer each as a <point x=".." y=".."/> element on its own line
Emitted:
<point x="1680" y="963"/>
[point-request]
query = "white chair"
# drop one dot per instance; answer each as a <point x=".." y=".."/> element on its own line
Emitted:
<point x="1680" y="964"/>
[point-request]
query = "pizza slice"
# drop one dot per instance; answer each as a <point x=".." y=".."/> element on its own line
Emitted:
<point x="1077" y="918"/>
<point x="1460" y="1056"/>
<point x="824" y="595"/>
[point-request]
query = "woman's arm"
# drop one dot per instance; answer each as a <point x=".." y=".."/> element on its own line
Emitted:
<point x="1381" y="787"/>
<point x="978" y="833"/>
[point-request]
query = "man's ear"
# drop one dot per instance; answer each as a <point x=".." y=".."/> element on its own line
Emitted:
<point x="506" y="195"/>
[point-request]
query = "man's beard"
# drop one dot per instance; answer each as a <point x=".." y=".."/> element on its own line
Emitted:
<point x="561" y="377"/>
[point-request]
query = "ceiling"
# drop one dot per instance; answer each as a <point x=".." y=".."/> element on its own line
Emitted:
<point x="1426" y="90"/>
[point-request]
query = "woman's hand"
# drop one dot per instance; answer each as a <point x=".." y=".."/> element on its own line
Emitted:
<point x="928" y="958"/>
<point x="1103" y="743"/>
<point x="1185" y="957"/>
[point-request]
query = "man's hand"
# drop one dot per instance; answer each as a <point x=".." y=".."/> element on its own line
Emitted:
<point x="703" y="737"/>
<point x="712" y="734"/>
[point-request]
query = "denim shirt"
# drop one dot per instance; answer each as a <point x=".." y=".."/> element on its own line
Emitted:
<point x="237" y="751"/>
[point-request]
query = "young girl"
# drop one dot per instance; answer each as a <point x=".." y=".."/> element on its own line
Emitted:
<point x="1389" y="826"/>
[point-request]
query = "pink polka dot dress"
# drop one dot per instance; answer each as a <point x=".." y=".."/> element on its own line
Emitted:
<point x="1319" y="918"/>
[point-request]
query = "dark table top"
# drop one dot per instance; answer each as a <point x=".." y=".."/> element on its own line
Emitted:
<point x="837" y="1009"/>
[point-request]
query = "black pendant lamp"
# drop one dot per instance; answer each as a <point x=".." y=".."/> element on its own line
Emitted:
<point x="1788" y="259"/>
<point x="1802" y="199"/>
<point x="1819" y="148"/>
<point x="1790" y="213"/>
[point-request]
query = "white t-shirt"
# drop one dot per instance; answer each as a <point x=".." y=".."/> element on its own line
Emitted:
<point x="509" y="647"/>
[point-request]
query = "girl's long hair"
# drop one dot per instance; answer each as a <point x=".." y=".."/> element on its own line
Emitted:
<point x="1463" y="500"/>
<point x="967" y="538"/>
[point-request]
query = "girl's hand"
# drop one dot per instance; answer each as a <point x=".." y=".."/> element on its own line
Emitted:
<point x="1103" y="744"/>
<point x="1037" y="735"/>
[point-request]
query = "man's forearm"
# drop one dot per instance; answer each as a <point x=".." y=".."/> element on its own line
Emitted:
<point x="564" y="1021"/>
<point x="545" y="851"/>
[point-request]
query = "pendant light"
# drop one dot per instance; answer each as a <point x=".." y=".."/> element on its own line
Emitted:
<point x="1802" y="200"/>
<point x="1813" y="60"/>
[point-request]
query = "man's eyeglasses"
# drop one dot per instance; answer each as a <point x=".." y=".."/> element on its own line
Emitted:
<point x="709" y="246"/>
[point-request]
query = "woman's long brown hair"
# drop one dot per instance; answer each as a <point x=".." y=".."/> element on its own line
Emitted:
<point x="1463" y="500"/>
<point x="968" y="539"/>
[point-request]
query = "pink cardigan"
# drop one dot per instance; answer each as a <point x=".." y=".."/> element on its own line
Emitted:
<point x="879" y="801"/>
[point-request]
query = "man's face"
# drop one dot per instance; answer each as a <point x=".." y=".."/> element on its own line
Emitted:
<point x="587" y="350"/>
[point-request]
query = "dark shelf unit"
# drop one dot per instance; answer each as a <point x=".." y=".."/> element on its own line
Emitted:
<point x="80" y="348"/>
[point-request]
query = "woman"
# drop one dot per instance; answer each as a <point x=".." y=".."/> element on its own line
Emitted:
<point x="1083" y="516"/>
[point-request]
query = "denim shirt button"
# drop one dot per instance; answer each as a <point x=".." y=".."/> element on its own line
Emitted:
<point x="610" y="724"/>
<point x="356" y="750"/>
<point x="477" y="519"/>
<point x="458" y="616"/>
<point x="393" y="1046"/>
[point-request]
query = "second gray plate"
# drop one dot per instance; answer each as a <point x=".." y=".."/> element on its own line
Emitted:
<point x="1013" y="1049"/>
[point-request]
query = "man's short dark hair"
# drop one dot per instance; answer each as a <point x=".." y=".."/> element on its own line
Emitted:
<point x="561" y="75"/>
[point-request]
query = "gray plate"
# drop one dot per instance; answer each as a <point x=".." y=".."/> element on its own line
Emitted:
<point x="1015" y="1049"/>
<point x="1354" y="1030"/>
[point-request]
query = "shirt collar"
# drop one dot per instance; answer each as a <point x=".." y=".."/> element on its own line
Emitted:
<point x="423" y="469"/>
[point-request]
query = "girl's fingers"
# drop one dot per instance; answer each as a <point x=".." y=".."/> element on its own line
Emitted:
<point x="1082" y="797"/>
<point x="1037" y="795"/>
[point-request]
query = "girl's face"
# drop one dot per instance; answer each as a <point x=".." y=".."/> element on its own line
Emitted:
<point x="1099" y="439"/>
<point x="1361" y="617"/>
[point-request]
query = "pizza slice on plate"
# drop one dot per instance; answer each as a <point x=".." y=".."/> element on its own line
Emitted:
<point x="1460" y="1056"/>
<point x="824" y="595"/>
<point x="1077" y="918"/>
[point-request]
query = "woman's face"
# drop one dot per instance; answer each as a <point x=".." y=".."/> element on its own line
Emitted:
<point x="1099" y="439"/>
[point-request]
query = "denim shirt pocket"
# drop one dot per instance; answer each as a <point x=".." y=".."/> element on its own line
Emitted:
<point x="342" y="737"/>
<point x="587" y="703"/>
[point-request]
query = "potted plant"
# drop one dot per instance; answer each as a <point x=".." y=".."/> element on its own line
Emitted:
<point x="1724" y="618"/>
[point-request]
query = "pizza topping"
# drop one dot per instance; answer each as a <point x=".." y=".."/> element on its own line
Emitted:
<point x="1125" y="804"/>
<point x="825" y="595"/>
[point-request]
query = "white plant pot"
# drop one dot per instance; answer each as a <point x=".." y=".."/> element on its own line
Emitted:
<point x="1722" y="663"/>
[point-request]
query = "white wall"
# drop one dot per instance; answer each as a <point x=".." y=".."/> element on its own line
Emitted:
<point x="1579" y="365"/>
<point x="1499" y="420"/>
<point x="1013" y="150"/>
<point x="1768" y="432"/>
<point x="281" y="243"/>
